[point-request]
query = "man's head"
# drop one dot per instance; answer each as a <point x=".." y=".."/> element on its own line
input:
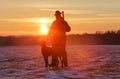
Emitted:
<point x="57" y="14"/>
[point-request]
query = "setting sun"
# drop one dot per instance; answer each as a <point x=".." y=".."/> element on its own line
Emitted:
<point x="44" y="29"/>
<point x="44" y="24"/>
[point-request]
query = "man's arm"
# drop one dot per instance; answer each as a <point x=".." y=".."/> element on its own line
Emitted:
<point x="67" y="27"/>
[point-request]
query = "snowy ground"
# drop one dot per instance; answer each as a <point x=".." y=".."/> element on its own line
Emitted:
<point x="85" y="62"/>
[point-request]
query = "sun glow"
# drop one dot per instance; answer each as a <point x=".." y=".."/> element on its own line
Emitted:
<point x="43" y="29"/>
<point x="44" y="24"/>
<point x="44" y="20"/>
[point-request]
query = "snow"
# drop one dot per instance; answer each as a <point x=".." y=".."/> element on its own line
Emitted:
<point x="85" y="62"/>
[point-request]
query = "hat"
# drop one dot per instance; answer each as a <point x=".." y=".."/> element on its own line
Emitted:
<point x="57" y="13"/>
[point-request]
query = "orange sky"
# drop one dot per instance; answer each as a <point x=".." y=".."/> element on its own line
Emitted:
<point x="23" y="17"/>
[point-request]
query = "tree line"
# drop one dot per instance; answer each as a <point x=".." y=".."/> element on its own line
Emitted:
<point x="19" y="40"/>
<point x="98" y="38"/>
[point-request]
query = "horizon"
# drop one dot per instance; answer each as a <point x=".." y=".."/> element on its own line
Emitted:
<point x="85" y="33"/>
<point x="26" y="17"/>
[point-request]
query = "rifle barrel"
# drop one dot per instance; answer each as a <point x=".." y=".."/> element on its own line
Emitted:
<point x="63" y="14"/>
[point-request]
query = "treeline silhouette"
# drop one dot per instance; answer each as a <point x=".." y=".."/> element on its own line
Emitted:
<point x="98" y="38"/>
<point x="19" y="40"/>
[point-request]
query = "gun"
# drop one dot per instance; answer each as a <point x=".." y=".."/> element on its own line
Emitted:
<point x="63" y="14"/>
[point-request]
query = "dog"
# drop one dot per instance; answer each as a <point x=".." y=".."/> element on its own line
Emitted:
<point x="46" y="52"/>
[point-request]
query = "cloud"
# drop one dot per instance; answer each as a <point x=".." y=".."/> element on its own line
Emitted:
<point x="109" y="14"/>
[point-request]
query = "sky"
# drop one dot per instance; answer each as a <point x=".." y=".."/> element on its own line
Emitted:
<point x="23" y="17"/>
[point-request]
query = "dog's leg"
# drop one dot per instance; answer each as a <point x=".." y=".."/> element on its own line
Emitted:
<point x="46" y="61"/>
<point x="57" y="62"/>
<point x="61" y="60"/>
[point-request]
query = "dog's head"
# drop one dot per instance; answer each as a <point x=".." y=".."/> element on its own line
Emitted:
<point x="43" y="43"/>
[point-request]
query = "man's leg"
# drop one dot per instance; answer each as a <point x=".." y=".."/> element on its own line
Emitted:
<point x="65" y="60"/>
<point x="64" y="53"/>
<point x="54" y="60"/>
<point x="54" y="57"/>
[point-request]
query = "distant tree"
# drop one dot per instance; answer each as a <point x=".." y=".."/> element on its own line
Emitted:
<point x="99" y="32"/>
<point x="118" y="32"/>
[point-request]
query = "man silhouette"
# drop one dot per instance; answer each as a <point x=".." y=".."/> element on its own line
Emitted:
<point x="57" y="36"/>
